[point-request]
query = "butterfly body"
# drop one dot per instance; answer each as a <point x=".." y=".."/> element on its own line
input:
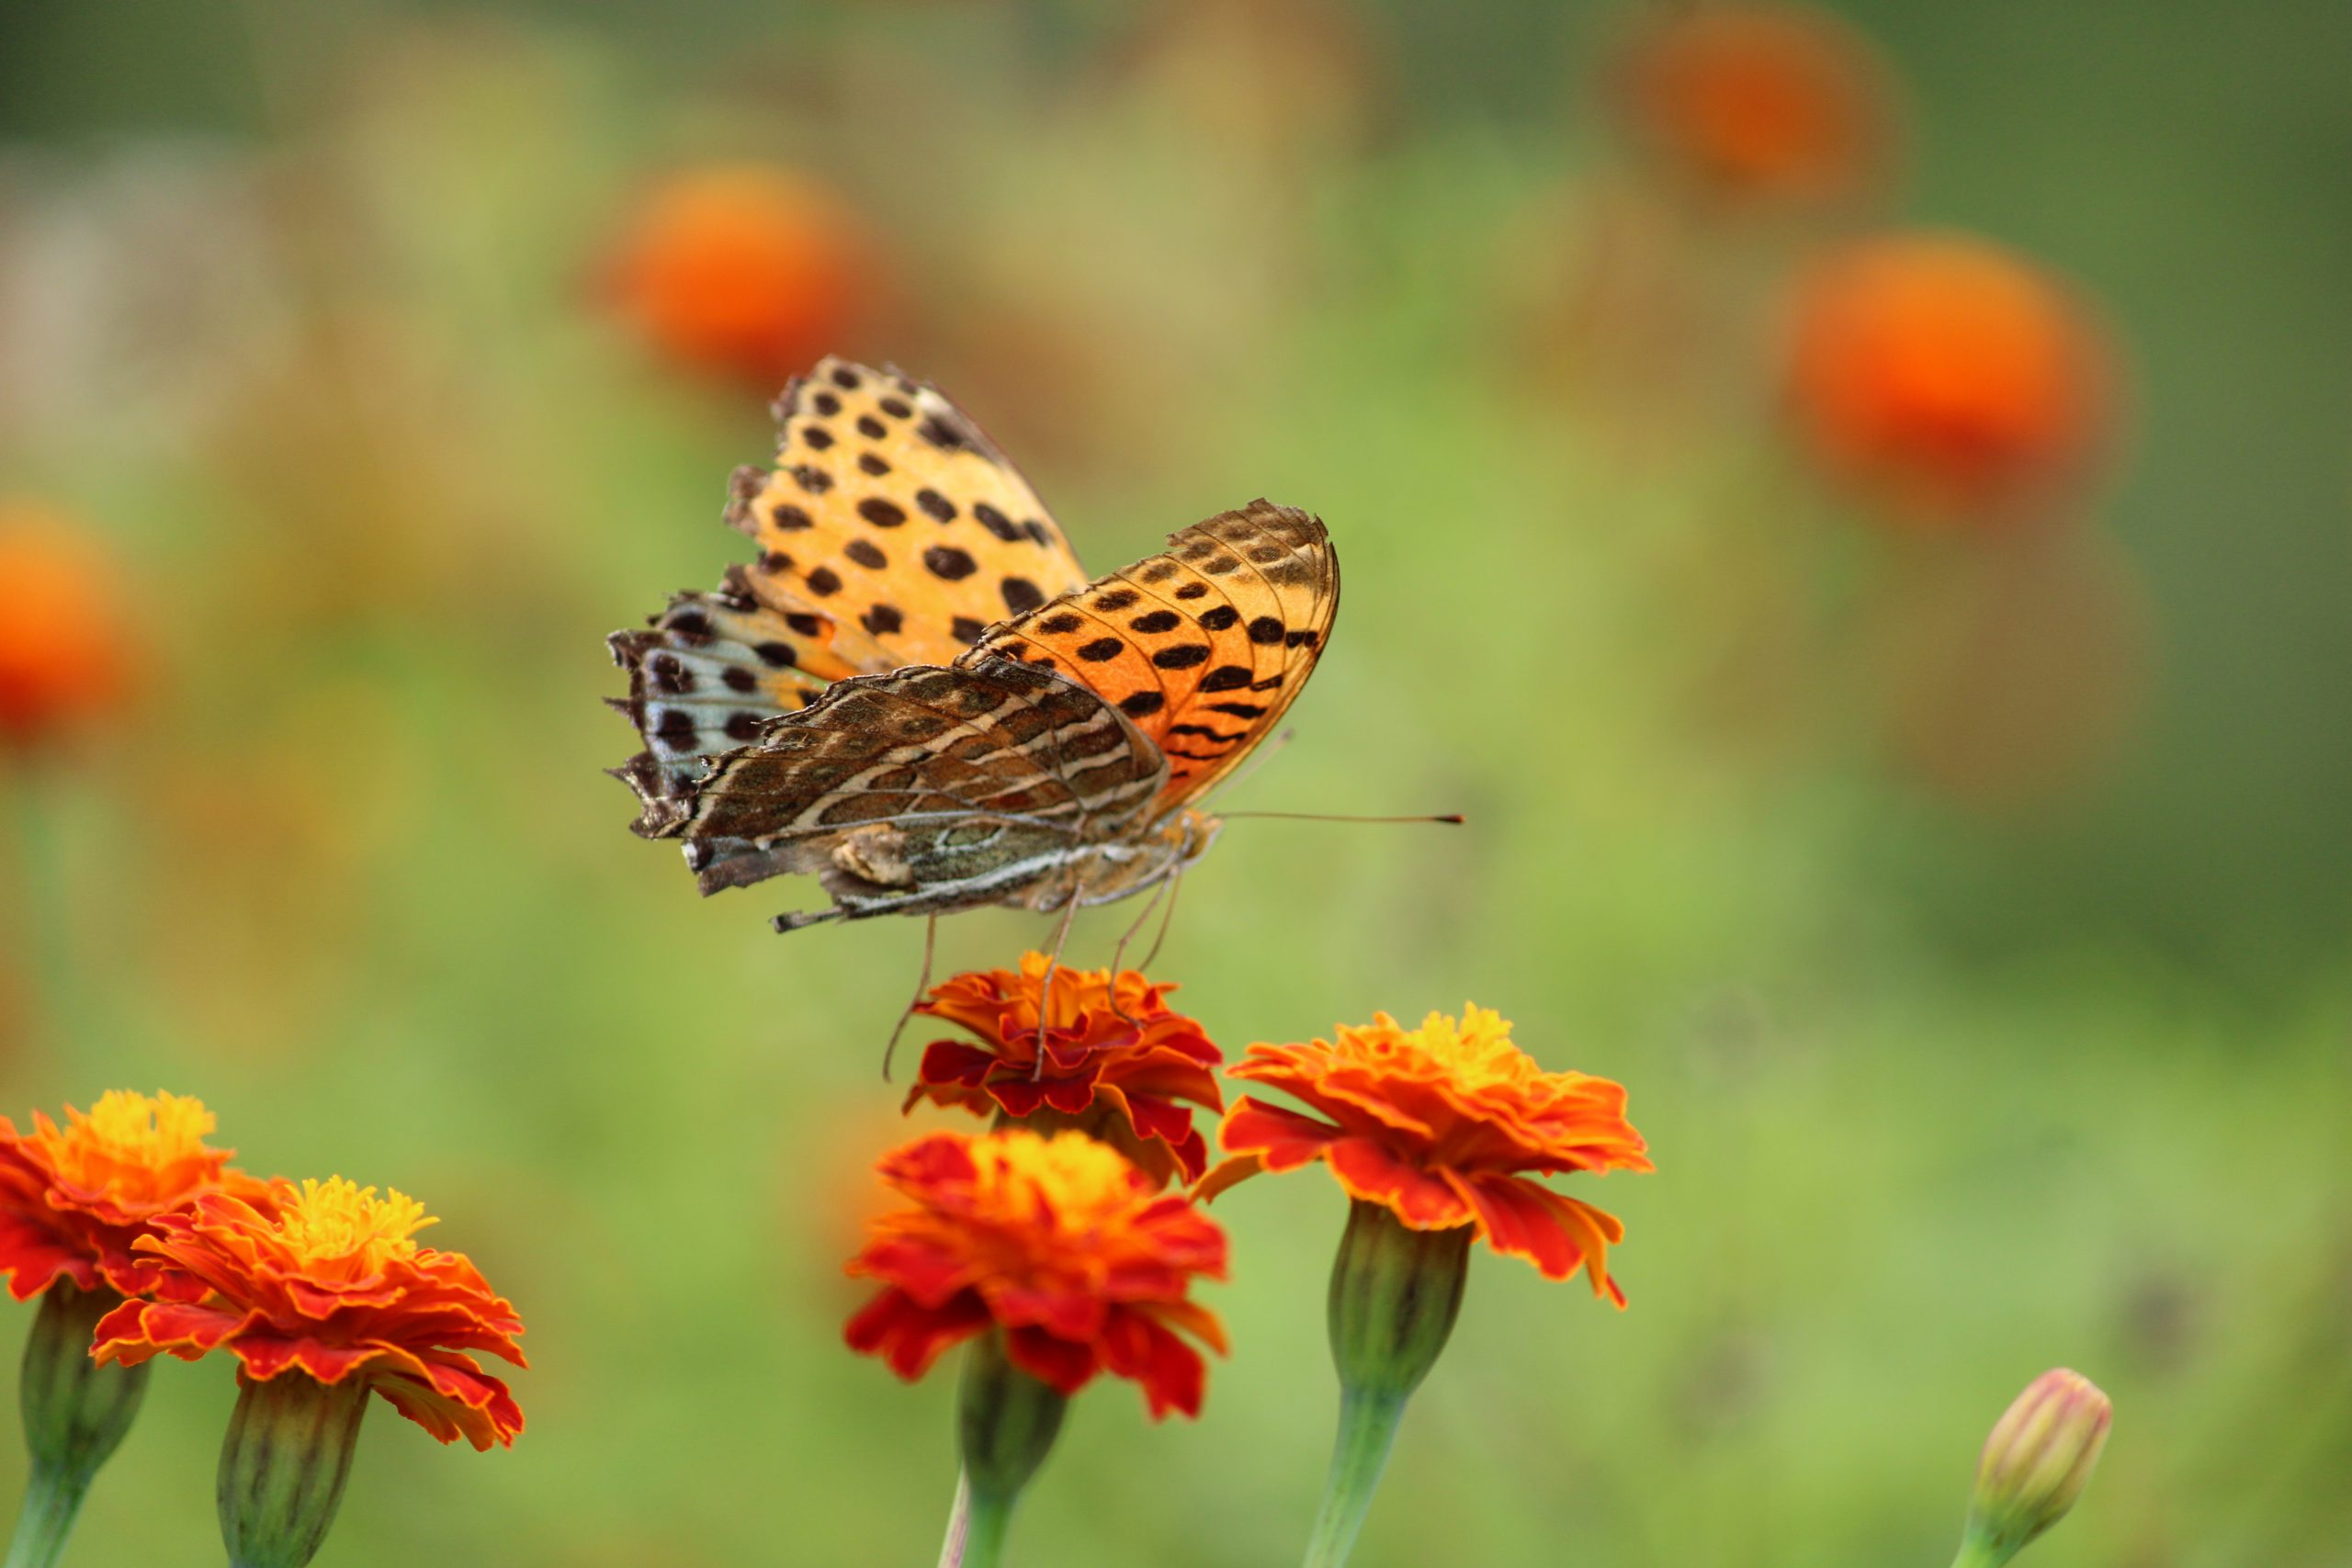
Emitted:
<point x="1052" y="762"/>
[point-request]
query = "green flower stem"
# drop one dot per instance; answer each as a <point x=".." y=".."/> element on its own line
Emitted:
<point x="1368" y="1422"/>
<point x="959" y="1524"/>
<point x="283" y="1464"/>
<point x="1395" y="1294"/>
<point x="51" y="1503"/>
<point x="76" y="1412"/>
<point x="1006" y="1422"/>
<point x="984" y="1532"/>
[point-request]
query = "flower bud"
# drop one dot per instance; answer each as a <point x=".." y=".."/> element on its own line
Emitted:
<point x="2037" y="1461"/>
<point x="283" y="1465"/>
<point x="1007" y="1420"/>
<point x="76" y="1412"/>
<point x="1395" y="1294"/>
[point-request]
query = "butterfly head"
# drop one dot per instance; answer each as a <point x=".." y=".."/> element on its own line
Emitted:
<point x="1190" y="833"/>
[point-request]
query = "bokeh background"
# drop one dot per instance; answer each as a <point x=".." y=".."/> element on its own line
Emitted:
<point x="1928" y="794"/>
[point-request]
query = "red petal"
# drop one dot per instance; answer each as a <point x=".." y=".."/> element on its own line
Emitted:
<point x="1422" y="1200"/>
<point x="909" y="1335"/>
<point x="1169" y="1371"/>
<point x="1283" y="1139"/>
<point x="1061" y="1362"/>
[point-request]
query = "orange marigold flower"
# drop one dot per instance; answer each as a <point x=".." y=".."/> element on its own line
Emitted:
<point x="328" y="1282"/>
<point x="1438" y="1125"/>
<point x="74" y="1200"/>
<point x="1761" y="104"/>
<point x="1119" y="1064"/>
<point x="1946" y="378"/>
<point x="65" y="647"/>
<point x="1062" y="1242"/>
<point x="743" y="269"/>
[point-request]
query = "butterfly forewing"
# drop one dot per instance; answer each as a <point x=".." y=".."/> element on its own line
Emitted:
<point x="890" y="512"/>
<point x="926" y="788"/>
<point x="1202" y="646"/>
<point x="892" y="532"/>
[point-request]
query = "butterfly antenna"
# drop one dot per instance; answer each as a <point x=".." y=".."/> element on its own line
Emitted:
<point x="1453" y="816"/>
<point x="922" y="989"/>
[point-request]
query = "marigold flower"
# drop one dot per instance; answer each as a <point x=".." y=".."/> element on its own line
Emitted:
<point x="1119" y="1064"/>
<point x="75" y="1199"/>
<point x="328" y="1282"/>
<point x="1761" y="104"/>
<point x="1437" y="1124"/>
<point x="64" y="641"/>
<point x="1946" y="379"/>
<point x="1060" y="1241"/>
<point x="742" y="269"/>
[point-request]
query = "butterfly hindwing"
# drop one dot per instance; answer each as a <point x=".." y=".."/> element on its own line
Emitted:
<point x="1202" y="646"/>
<point x="923" y="789"/>
<point x="892" y="514"/>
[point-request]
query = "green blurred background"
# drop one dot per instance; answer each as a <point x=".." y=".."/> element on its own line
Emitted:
<point x="1953" y="1068"/>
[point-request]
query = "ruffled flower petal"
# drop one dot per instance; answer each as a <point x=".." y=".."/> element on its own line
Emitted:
<point x="1112" y="1059"/>
<point x="1444" y="1125"/>
<point x="1061" y="1242"/>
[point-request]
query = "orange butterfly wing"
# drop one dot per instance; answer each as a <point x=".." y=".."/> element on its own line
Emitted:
<point x="1202" y="646"/>
<point x="890" y="516"/>
<point x="891" y="531"/>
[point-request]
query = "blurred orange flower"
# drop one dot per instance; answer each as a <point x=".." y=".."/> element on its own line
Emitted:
<point x="1761" y="104"/>
<point x="1945" y="378"/>
<point x="1060" y="1241"/>
<point x="1119" y="1064"/>
<point x="64" y="648"/>
<point x="1437" y="1124"/>
<point x="743" y="269"/>
<point x="327" y="1282"/>
<point x="74" y="1200"/>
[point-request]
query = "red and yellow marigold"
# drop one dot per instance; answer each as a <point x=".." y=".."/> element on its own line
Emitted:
<point x="75" y="1199"/>
<point x="744" y="270"/>
<point x="1060" y="1241"/>
<point x="328" y="1282"/>
<point x="1761" y="104"/>
<point x="65" y="642"/>
<point x="1946" y="381"/>
<point x="1118" y="1064"/>
<point x="1443" y="1127"/>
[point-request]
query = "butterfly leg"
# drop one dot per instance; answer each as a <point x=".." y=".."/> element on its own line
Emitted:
<point x="1046" y="992"/>
<point x="922" y="989"/>
<point x="1167" y="918"/>
<point x="1119" y="954"/>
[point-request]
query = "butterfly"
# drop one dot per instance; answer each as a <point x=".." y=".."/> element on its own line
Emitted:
<point x="916" y="694"/>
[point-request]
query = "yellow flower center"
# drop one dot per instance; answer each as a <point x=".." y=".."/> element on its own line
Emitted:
<point x="1474" y="1053"/>
<point x="336" y="1222"/>
<point x="130" y="1146"/>
<point x="1067" y="1179"/>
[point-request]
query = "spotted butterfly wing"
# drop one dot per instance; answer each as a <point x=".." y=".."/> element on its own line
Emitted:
<point x="891" y="531"/>
<point x="1042" y="767"/>
<point x="888" y="510"/>
<point x="1203" y="646"/>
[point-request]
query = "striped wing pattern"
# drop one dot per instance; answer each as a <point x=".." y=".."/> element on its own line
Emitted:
<point x="923" y="790"/>
<point x="1202" y="646"/>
